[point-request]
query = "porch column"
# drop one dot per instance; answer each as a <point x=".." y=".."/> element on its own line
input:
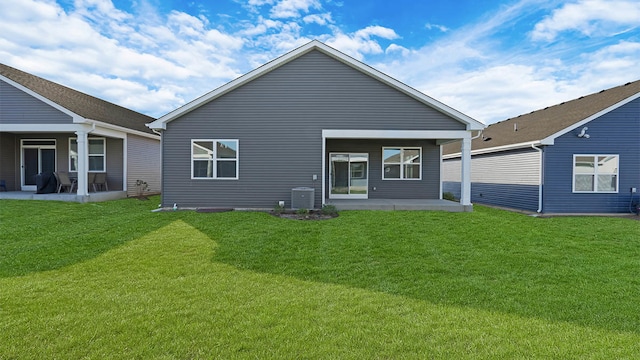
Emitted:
<point x="465" y="176"/>
<point x="83" y="160"/>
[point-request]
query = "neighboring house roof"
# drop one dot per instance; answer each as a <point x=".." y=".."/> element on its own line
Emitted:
<point x="542" y="127"/>
<point x="79" y="103"/>
<point x="470" y="123"/>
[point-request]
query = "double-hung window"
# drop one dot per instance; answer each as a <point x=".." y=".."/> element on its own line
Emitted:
<point x="214" y="159"/>
<point x="595" y="173"/>
<point x="97" y="154"/>
<point x="401" y="163"/>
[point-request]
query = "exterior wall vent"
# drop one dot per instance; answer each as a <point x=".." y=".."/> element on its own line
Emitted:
<point x="302" y="198"/>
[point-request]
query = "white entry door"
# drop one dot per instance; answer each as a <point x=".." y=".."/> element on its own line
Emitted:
<point x="37" y="156"/>
<point x="349" y="174"/>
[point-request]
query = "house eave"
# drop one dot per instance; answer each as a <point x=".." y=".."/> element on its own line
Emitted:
<point x="523" y="145"/>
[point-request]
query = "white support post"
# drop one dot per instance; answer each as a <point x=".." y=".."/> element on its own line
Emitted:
<point x="83" y="161"/>
<point x="465" y="176"/>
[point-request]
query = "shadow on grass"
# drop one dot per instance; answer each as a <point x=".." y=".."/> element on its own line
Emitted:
<point x="47" y="235"/>
<point x="579" y="270"/>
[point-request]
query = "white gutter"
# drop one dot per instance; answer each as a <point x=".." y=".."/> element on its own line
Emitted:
<point x="539" y="179"/>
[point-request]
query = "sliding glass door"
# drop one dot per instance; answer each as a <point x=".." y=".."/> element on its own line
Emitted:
<point x="349" y="174"/>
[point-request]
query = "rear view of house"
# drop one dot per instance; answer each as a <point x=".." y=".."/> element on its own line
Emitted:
<point x="581" y="156"/>
<point x="46" y="127"/>
<point x="313" y="124"/>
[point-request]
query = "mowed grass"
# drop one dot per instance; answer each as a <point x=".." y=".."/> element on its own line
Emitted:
<point x="113" y="280"/>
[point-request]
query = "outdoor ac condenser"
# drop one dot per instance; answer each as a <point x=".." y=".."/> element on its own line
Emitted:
<point x="302" y="198"/>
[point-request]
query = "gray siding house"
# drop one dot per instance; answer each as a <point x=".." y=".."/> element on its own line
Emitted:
<point x="581" y="156"/>
<point x="316" y="119"/>
<point x="46" y="127"/>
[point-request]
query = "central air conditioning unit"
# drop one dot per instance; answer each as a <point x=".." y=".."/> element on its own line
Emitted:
<point x="302" y="198"/>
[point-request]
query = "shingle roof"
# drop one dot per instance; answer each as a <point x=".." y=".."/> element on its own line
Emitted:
<point x="79" y="103"/>
<point x="540" y="124"/>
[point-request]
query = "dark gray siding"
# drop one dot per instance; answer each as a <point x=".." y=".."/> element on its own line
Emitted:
<point x="427" y="188"/>
<point x="143" y="163"/>
<point x="278" y="120"/>
<point x="114" y="163"/>
<point x="9" y="161"/>
<point x="616" y="132"/>
<point x="18" y="107"/>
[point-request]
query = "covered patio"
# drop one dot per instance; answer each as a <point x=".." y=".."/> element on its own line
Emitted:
<point x="69" y="197"/>
<point x="399" y="204"/>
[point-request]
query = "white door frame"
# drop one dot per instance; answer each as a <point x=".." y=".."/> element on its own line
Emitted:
<point x="24" y="187"/>
<point x="366" y="178"/>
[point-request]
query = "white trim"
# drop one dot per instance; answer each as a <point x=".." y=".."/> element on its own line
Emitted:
<point x="441" y="172"/>
<point x="351" y="196"/>
<point x="401" y="163"/>
<point x="471" y="124"/>
<point x="495" y="149"/>
<point x="104" y="154"/>
<point x="24" y="187"/>
<point x="395" y="134"/>
<point x="215" y="160"/>
<point x="595" y="175"/>
<point x="121" y="131"/>
<point x="125" y="156"/>
<point x="324" y="169"/>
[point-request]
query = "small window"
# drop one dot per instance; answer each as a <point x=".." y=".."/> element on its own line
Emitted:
<point x="97" y="154"/>
<point x="401" y="163"/>
<point x="214" y="159"/>
<point x="595" y="173"/>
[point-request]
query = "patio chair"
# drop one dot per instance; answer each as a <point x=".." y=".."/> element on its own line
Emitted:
<point x="100" y="181"/>
<point x="91" y="178"/>
<point x="64" y="182"/>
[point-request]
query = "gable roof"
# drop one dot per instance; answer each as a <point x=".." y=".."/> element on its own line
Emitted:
<point x="76" y="102"/>
<point x="316" y="45"/>
<point x="542" y="127"/>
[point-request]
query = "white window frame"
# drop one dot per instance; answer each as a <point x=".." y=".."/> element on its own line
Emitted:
<point x="103" y="154"/>
<point x="402" y="174"/>
<point x="595" y="174"/>
<point x="215" y="159"/>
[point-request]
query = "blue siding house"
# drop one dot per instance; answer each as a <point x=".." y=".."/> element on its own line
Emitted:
<point x="581" y="156"/>
<point x="312" y="123"/>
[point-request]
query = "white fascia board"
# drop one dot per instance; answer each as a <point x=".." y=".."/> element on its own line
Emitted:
<point x="395" y="134"/>
<point x="471" y="124"/>
<point x="498" y="149"/>
<point x="118" y="131"/>
<point x="76" y="117"/>
<point x="549" y="140"/>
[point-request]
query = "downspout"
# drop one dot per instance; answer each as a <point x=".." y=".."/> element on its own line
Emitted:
<point x="539" y="179"/>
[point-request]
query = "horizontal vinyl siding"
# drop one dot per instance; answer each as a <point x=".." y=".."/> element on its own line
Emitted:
<point x="10" y="161"/>
<point x="427" y="188"/>
<point x="614" y="133"/>
<point x="278" y="120"/>
<point x="508" y="179"/>
<point x="143" y="163"/>
<point x="18" y="107"/>
<point x="114" y="169"/>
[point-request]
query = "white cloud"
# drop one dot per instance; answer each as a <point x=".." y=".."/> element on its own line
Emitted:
<point x="442" y="28"/>
<point x="360" y="43"/>
<point x="590" y="18"/>
<point x="320" y="19"/>
<point x="293" y="8"/>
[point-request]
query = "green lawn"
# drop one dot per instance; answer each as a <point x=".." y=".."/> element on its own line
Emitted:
<point x="114" y="280"/>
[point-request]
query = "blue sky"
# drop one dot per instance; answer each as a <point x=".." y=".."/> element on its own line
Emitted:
<point x="489" y="59"/>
